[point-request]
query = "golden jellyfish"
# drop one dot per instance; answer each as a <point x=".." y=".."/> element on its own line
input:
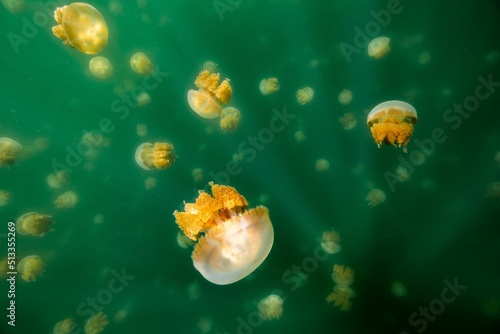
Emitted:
<point x="143" y="99"/>
<point x="229" y="119"/>
<point x="269" y="86"/>
<point x="379" y="47"/>
<point x="299" y="136"/>
<point x="100" y="67"/>
<point x="140" y="63"/>
<point x="34" y="223"/>
<point x="96" y="323"/>
<point x="330" y="242"/>
<point x="271" y="307"/>
<point x="66" y="200"/>
<point x="154" y="156"/>
<point x="322" y="165"/>
<point x="348" y="121"/>
<point x="391" y="123"/>
<point x="31" y="267"/>
<point x="345" y="97"/>
<point x="232" y="241"/>
<point x="341" y="296"/>
<point x="210" y="94"/>
<point x="82" y="27"/>
<point x="57" y="179"/>
<point x="342" y="275"/>
<point x="304" y="95"/>
<point x="4" y="197"/>
<point x="375" y="197"/>
<point x="66" y="326"/>
<point x="9" y="150"/>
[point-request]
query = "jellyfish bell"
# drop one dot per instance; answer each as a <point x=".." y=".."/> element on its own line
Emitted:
<point x="140" y="63"/>
<point x="379" y="47"/>
<point x="202" y="103"/>
<point x="154" y="156"/>
<point x="101" y="67"/>
<point x="9" y="150"/>
<point x="391" y="123"/>
<point x="81" y="26"/>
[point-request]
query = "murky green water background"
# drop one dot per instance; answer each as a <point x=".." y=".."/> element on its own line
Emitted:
<point x="437" y="226"/>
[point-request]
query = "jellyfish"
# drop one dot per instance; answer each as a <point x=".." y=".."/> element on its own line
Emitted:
<point x="299" y="136"/>
<point x="143" y="99"/>
<point x="66" y="326"/>
<point x="330" y="242"/>
<point x="57" y="179"/>
<point x="342" y="275"/>
<point x="4" y="197"/>
<point x="81" y="26"/>
<point x="348" y="121"/>
<point x="304" y="95"/>
<point x="34" y="223"/>
<point x="31" y="267"/>
<point x="96" y="323"/>
<point x="158" y="155"/>
<point x="232" y="241"/>
<point x="269" y="86"/>
<point x="392" y="123"/>
<point x="197" y="174"/>
<point x="140" y="63"/>
<point x="100" y="67"/>
<point x="183" y="241"/>
<point x="398" y="289"/>
<point x="9" y="150"/>
<point x="271" y="307"/>
<point x="322" y="165"/>
<point x="142" y="130"/>
<point x="375" y="197"/>
<point x="341" y="295"/>
<point x="229" y="119"/>
<point x="150" y="183"/>
<point x="66" y="200"/>
<point x="379" y="47"/>
<point x="98" y="219"/>
<point x="210" y="95"/>
<point x="210" y="66"/>
<point x="345" y="97"/>
<point x="4" y="267"/>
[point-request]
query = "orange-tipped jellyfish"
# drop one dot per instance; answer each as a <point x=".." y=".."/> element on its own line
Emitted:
<point x="155" y="156"/>
<point x="231" y="241"/>
<point x="210" y="95"/>
<point x="391" y="123"/>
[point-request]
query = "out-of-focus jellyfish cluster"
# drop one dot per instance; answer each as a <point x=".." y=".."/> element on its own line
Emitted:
<point x="375" y="197"/>
<point x="9" y="150"/>
<point x="271" y="307"/>
<point x="391" y="123"/>
<point x="379" y="47"/>
<point x="96" y="323"/>
<point x="342" y="292"/>
<point x="154" y="156"/>
<point x="330" y="242"/>
<point x="31" y="267"/>
<point x="150" y="183"/>
<point x="269" y="86"/>
<point x="232" y="241"/>
<point x="33" y="223"/>
<point x="66" y="201"/>
<point x="304" y="95"/>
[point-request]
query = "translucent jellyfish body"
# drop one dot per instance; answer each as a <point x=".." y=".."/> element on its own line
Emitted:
<point x="269" y="86"/>
<point x="9" y="150"/>
<point x="154" y="156"/>
<point x="229" y="119"/>
<point x="210" y="95"/>
<point x="81" y="26"/>
<point x="271" y="307"/>
<point x="140" y="63"/>
<point x="345" y="97"/>
<point x="66" y="200"/>
<point x="341" y="296"/>
<point x="342" y="275"/>
<point x="96" y="323"/>
<point x="231" y="241"/>
<point x="33" y="223"/>
<point x="66" y="326"/>
<point x="31" y="267"/>
<point x="100" y="67"/>
<point x="304" y="95"/>
<point x="4" y="197"/>
<point x="330" y="242"/>
<point x="379" y="47"/>
<point x="392" y="123"/>
<point x="348" y="121"/>
<point x="375" y="197"/>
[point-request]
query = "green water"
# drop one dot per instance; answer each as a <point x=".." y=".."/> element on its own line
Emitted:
<point x="435" y="229"/>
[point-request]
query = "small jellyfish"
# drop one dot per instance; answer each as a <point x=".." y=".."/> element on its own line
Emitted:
<point x="231" y="241"/>
<point x="81" y="26"/>
<point x="154" y="156"/>
<point x="98" y="219"/>
<point x="150" y="183"/>
<point x="4" y="197"/>
<point x="348" y="121"/>
<point x="322" y="165"/>
<point x="204" y="325"/>
<point x="33" y="223"/>
<point x="392" y="123"/>
<point x="66" y="326"/>
<point x="299" y="136"/>
<point x="183" y="241"/>
<point x="375" y="197"/>
<point x="197" y="174"/>
<point x="31" y="267"/>
<point x="229" y="119"/>
<point x="100" y="67"/>
<point x="304" y="95"/>
<point x="96" y="323"/>
<point x="345" y="97"/>
<point x="269" y="86"/>
<point x="271" y="307"/>
<point x="58" y="179"/>
<point x="398" y="289"/>
<point x="330" y="242"/>
<point x="140" y="63"/>
<point x="210" y="95"/>
<point x="342" y="275"/>
<point x="341" y="295"/>
<point x="379" y="47"/>
<point x="142" y="130"/>
<point x="143" y="99"/>
<point x="66" y="200"/>
<point x="9" y="150"/>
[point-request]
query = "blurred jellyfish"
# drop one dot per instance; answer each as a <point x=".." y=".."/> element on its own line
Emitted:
<point x="271" y="307"/>
<point x="304" y="95"/>
<point x="424" y="58"/>
<point x="66" y="200"/>
<point x="100" y="67"/>
<point x="140" y="63"/>
<point x="231" y="241"/>
<point x="4" y="197"/>
<point x="322" y="165"/>
<point x="142" y="130"/>
<point x="66" y="326"/>
<point x="375" y="197"/>
<point x="341" y="295"/>
<point x="204" y="324"/>
<point x="150" y="183"/>
<point x="210" y="94"/>
<point x="210" y="66"/>
<point x="30" y="268"/>
<point x="342" y="275"/>
<point x="96" y="323"/>
<point x="154" y="156"/>
<point x="183" y="241"/>
<point x="345" y="97"/>
<point x="81" y="26"/>
<point x="348" y="121"/>
<point x="398" y="289"/>
<point x="299" y="136"/>
<point x="198" y="174"/>
<point x="379" y="47"/>
<point x="33" y="223"/>
<point x="493" y="190"/>
<point x="330" y="242"/>
<point x="14" y="6"/>
<point x="229" y="119"/>
<point x="98" y="219"/>
<point x="57" y="179"/>
<point x="402" y="174"/>
<point x="269" y="86"/>
<point x="143" y="99"/>
<point x="9" y="150"/>
<point x="115" y="7"/>
<point x="4" y="267"/>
